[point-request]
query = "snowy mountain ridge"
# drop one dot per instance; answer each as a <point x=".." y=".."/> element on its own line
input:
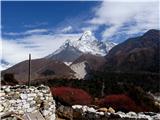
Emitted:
<point x="87" y="43"/>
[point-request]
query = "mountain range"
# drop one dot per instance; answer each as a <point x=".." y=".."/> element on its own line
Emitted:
<point x="77" y="58"/>
<point x="86" y="44"/>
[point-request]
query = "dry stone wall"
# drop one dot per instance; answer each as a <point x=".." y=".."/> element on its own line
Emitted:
<point x="21" y="100"/>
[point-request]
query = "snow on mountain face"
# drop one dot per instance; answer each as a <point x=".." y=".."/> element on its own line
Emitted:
<point x="87" y="43"/>
<point x="109" y="45"/>
<point x="87" y="35"/>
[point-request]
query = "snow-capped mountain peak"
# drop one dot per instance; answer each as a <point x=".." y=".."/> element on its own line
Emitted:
<point x="87" y="43"/>
<point x="87" y="36"/>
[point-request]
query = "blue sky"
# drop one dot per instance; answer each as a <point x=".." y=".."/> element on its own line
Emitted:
<point x="22" y="16"/>
<point x="41" y="27"/>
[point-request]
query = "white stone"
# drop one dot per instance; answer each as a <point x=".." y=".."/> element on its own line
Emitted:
<point x="85" y="108"/>
<point x="6" y="104"/>
<point x="19" y="107"/>
<point x="2" y="94"/>
<point x="132" y="114"/>
<point x="52" y="117"/>
<point x="21" y="112"/>
<point x="26" y="105"/>
<point x="46" y="98"/>
<point x="141" y="115"/>
<point x="1" y="113"/>
<point x="3" y="87"/>
<point x="20" y="104"/>
<point x="91" y="110"/>
<point x="1" y="108"/>
<point x="12" y="101"/>
<point x="2" y="98"/>
<point x="52" y="106"/>
<point x="32" y="95"/>
<point x="156" y="117"/>
<point x="45" y="112"/>
<point x="100" y="113"/>
<point x="24" y="102"/>
<point x="40" y="94"/>
<point x="36" y="91"/>
<point x="23" y="96"/>
<point x="44" y="91"/>
<point x="30" y="109"/>
<point x="32" y="89"/>
<point x="7" y="89"/>
<point x="33" y="102"/>
<point x="42" y="98"/>
<point x="19" y="101"/>
<point x="77" y="106"/>
<point x="122" y="114"/>
<point x="30" y="99"/>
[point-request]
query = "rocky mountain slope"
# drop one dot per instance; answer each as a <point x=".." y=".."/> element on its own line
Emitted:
<point x="136" y="54"/>
<point x="86" y="63"/>
<point x="66" y="53"/>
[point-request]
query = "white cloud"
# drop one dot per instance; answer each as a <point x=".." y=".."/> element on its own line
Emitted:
<point x="28" y="32"/>
<point x="37" y="24"/>
<point x="135" y="16"/>
<point x="90" y="28"/>
<point x="36" y="31"/>
<point x="66" y="29"/>
<point x="15" y="51"/>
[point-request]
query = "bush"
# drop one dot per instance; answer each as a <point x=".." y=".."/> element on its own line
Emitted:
<point x="71" y="96"/>
<point x="9" y="79"/>
<point x="120" y="102"/>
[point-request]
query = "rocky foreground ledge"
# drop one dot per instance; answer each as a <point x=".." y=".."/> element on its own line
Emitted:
<point x="91" y="113"/>
<point x="22" y="100"/>
<point x="79" y="112"/>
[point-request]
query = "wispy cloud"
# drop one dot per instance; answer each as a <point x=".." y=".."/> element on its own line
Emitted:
<point x="28" y="32"/>
<point x="38" y="24"/>
<point x="135" y="16"/>
<point x="39" y="46"/>
<point x="36" y="31"/>
<point x="66" y="29"/>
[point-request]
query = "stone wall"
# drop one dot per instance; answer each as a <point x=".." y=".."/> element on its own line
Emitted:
<point x="21" y="100"/>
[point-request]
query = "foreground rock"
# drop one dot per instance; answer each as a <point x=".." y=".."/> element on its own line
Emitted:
<point x="90" y="113"/>
<point x="22" y="100"/>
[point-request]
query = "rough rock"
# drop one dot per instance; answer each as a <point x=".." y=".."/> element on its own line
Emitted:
<point x="102" y="110"/>
<point x="65" y="112"/>
<point x="21" y="99"/>
<point x="111" y="110"/>
<point x="89" y="113"/>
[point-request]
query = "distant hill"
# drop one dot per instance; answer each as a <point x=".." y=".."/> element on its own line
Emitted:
<point x="140" y="54"/>
<point x="40" y="69"/>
